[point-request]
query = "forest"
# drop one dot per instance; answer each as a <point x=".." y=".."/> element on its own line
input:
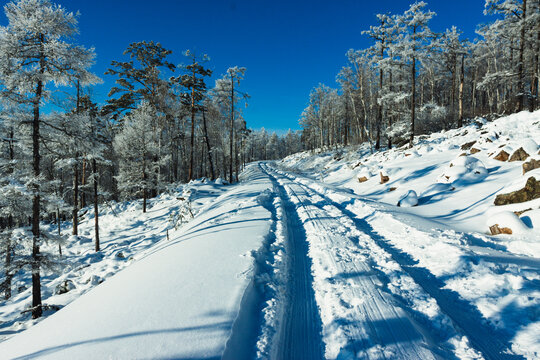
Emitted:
<point x="415" y="81"/>
<point x="61" y="152"/>
<point x="162" y="124"/>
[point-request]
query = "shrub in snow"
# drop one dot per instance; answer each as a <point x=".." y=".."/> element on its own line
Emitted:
<point x="184" y="213"/>
<point x="410" y="199"/>
<point x="506" y="222"/>
<point x="464" y="169"/>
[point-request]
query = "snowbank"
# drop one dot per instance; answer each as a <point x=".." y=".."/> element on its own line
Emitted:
<point x="179" y="299"/>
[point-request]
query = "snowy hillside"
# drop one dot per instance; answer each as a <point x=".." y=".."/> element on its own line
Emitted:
<point x="453" y="175"/>
<point x="311" y="257"/>
<point x="446" y="186"/>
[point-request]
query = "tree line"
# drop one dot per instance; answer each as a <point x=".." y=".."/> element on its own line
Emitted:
<point x="160" y="125"/>
<point x="413" y="81"/>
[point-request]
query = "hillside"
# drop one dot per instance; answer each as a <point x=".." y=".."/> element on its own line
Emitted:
<point x="455" y="175"/>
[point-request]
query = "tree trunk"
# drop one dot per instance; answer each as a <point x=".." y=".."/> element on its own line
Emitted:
<point x="75" y="213"/>
<point x="8" y="271"/>
<point x="453" y="91"/>
<point x="534" y="82"/>
<point x="76" y="174"/>
<point x="83" y="183"/>
<point x="208" y="148"/>
<point x="521" y="71"/>
<point x="192" y="141"/>
<point x="473" y="91"/>
<point x="145" y="193"/>
<point x="380" y="107"/>
<point x="461" y="83"/>
<point x="58" y="227"/>
<point x="413" y="102"/>
<point x="96" y="209"/>
<point x="37" y="311"/>
<point x="231" y="138"/>
<point x="390" y="116"/>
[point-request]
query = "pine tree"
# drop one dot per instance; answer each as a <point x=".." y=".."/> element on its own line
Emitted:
<point x="228" y="96"/>
<point x="195" y="88"/>
<point x="33" y="54"/>
<point x="137" y="146"/>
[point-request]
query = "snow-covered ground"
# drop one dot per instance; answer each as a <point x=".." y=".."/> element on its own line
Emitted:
<point x="176" y="298"/>
<point x="302" y="260"/>
<point x="487" y="285"/>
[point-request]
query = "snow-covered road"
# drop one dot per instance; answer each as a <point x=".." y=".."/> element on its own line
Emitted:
<point x="357" y="316"/>
<point x="283" y="266"/>
<point x="379" y="293"/>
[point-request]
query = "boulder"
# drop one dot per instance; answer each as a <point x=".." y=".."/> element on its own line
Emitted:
<point x="519" y="155"/>
<point x="384" y="178"/>
<point x="502" y="156"/>
<point x="530" y="192"/>
<point x="468" y="145"/>
<point x="64" y="287"/>
<point x="362" y="179"/>
<point x="475" y="150"/>
<point x="531" y="165"/>
<point x="496" y="230"/>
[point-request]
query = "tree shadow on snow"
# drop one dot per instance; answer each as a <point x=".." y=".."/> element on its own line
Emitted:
<point x="220" y="326"/>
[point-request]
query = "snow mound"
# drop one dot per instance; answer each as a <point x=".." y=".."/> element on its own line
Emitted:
<point x="531" y="218"/>
<point x="530" y="146"/>
<point x="220" y="181"/>
<point x="464" y="170"/>
<point x="507" y="219"/>
<point x="410" y="199"/>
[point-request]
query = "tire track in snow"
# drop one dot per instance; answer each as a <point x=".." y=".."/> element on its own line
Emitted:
<point x="493" y="344"/>
<point x="358" y="318"/>
<point x="299" y="334"/>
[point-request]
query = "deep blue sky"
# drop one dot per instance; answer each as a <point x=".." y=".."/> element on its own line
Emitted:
<point x="288" y="47"/>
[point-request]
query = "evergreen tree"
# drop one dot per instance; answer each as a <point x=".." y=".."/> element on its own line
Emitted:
<point x="136" y="146"/>
<point x="34" y="53"/>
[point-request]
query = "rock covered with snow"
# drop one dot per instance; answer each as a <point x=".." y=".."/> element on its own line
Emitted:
<point x="464" y="169"/>
<point x="410" y="199"/>
<point x="220" y="181"/>
<point x="529" y="192"/>
<point x="508" y="220"/>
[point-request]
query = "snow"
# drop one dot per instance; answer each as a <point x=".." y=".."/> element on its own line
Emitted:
<point x="301" y="258"/>
<point x="410" y="199"/>
<point x="178" y="299"/>
<point x="508" y="219"/>
<point x="445" y="236"/>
